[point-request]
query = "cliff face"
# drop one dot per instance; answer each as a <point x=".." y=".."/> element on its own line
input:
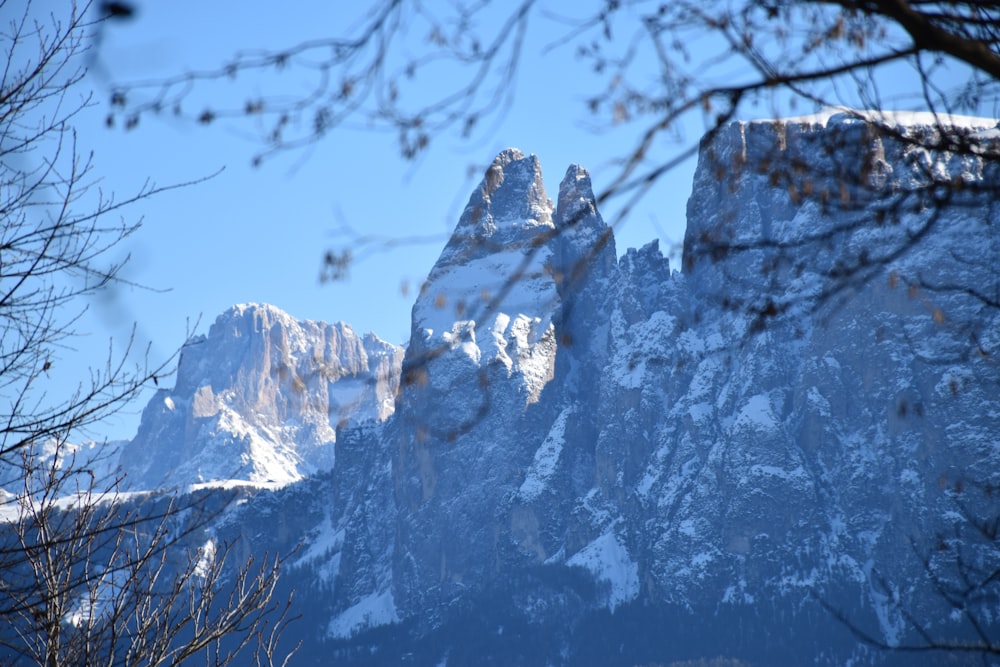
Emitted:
<point x="797" y="450"/>
<point x="589" y="446"/>
<point x="259" y="399"/>
<point x="693" y="446"/>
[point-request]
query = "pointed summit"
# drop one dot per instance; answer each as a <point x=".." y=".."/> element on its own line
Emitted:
<point x="576" y="196"/>
<point x="586" y="245"/>
<point x="510" y="196"/>
<point x="508" y="209"/>
<point x="495" y="261"/>
<point x="577" y="217"/>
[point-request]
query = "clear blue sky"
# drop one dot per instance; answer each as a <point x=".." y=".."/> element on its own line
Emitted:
<point x="257" y="234"/>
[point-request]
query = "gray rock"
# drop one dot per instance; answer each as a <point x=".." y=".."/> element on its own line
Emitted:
<point x="785" y="420"/>
<point x="259" y="399"/>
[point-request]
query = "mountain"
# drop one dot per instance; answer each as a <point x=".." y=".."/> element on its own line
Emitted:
<point x="601" y="460"/>
<point x="259" y="400"/>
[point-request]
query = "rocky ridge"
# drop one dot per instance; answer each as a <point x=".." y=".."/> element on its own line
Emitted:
<point x="590" y="445"/>
<point x="258" y="399"/>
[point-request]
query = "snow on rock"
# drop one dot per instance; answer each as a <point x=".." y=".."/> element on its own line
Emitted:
<point x="546" y="459"/>
<point x="491" y="295"/>
<point x="757" y="414"/>
<point x="578" y="393"/>
<point x="375" y="610"/>
<point x="259" y="399"/>
<point x="608" y="560"/>
<point x="560" y="407"/>
<point x="483" y="348"/>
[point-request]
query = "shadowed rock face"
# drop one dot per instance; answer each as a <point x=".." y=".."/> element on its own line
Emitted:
<point x="482" y="351"/>
<point x="670" y="451"/>
<point x="259" y="399"/>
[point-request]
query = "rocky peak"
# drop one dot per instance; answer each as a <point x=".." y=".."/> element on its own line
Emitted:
<point x="576" y="197"/>
<point x="512" y="193"/>
<point x="494" y="263"/>
<point x="818" y="177"/>
<point x="509" y="208"/>
<point x="661" y="462"/>
<point x="259" y="399"/>
<point x="585" y="245"/>
<point x="482" y="351"/>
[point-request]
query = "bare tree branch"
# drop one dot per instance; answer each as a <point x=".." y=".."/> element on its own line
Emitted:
<point x="90" y="575"/>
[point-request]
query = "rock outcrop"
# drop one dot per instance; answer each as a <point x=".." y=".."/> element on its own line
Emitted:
<point x="259" y="400"/>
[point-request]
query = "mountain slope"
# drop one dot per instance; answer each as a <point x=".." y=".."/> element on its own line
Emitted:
<point x="598" y="460"/>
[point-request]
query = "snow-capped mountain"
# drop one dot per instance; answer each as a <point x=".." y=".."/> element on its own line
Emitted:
<point x="599" y="460"/>
<point x="259" y="400"/>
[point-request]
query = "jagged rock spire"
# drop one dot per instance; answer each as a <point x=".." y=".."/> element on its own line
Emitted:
<point x="508" y="208"/>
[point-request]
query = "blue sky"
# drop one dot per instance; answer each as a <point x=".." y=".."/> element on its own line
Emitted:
<point x="258" y="234"/>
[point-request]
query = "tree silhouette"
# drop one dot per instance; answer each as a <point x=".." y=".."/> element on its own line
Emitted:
<point x="88" y="574"/>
